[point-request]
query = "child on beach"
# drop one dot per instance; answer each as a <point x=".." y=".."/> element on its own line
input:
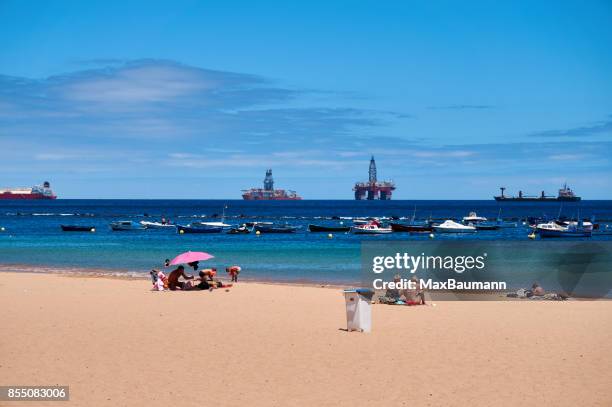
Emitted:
<point x="233" y="272"/>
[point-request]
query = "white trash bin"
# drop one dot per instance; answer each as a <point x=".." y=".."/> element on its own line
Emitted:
<point x="358" y="309"/>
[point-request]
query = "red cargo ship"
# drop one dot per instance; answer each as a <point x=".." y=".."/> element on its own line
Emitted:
<point x="268" y="193"/>
<point x="36" y="192"/>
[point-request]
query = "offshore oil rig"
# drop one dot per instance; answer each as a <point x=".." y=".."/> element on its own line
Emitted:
<point x="373" y="189"/>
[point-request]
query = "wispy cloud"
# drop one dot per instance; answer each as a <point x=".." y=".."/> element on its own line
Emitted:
<point x="603" y="127"/>
<point x="461" y="107"/>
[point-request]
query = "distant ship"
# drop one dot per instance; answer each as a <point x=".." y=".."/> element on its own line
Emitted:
<point x="565" y="195"/>
<point x="268" y="193"/>
<point x="36" y="192"/>
<point x="373" y="189"/>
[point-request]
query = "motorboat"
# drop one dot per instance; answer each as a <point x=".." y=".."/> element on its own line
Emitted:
<point x="473" y="218"/>
<point x="210" y="225"/>
<point x="324" y="228"/>
<point x="573" y="229"/>
<point x="123" y="225"/>
<point x="78" y="228"/>
<point x="450" y="226"/>
<point x="371" y="228"/>
<point x="156" y="225"/>
<point x="237" y="230"/>
<point x="274" y="228"/>
<point x="251" y="224"/>
<point x="197" y="229"/>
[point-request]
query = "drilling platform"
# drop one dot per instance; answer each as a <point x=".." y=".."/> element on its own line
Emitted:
<point x="373" y="189"/>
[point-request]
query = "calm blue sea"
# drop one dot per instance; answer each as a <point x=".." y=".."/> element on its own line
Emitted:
<point x="33" y="235"/>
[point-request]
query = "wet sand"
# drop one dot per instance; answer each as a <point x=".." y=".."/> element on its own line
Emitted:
<point x="114" y="342"/>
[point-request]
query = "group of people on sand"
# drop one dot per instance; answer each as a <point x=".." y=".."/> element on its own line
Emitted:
<point x="206" y="279"/>
<point x="409" y="296"/>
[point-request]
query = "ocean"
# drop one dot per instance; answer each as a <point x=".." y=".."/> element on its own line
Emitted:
<point x="33" y="237"/>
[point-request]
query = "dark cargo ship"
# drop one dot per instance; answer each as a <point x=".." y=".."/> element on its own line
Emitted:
<point x="565" y="195"/>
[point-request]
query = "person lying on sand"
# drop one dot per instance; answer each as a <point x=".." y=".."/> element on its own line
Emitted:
<point x="173" y="278"/>
<point x="208" y="283"/>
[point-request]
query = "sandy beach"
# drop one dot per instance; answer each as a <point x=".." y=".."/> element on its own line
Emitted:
<point x="115" y="343"/>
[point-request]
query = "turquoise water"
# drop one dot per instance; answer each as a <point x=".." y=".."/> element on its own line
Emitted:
<point x="33" y="235"/>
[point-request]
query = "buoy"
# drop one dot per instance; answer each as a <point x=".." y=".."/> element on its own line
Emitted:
<point x="2" y="229"/>
<point x="93" y="230"/>
<point x="181" y="231"/>
<point x="258" y="233"/>
<point x="532" y="236"/>
<point x="431" y="236"/>
<point x="330" y="236"/>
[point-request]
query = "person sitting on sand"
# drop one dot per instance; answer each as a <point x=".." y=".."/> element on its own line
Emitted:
<point x="233" y="273"/>
<point x="392" y="295"/>
<point x="173" y="278"/>
<point x="414" y="295"/>
<point x="536" y="289"/>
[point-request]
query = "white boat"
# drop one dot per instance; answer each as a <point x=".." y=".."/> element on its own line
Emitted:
<point x="126" y="225"/>
<point x="573" y="229"/>
<point x="473" y="218"/>
<point x="449" y="226"/>
<point x="370" y="229"/>
<point x="156" y="225"/>
<point x="213" y="225"/>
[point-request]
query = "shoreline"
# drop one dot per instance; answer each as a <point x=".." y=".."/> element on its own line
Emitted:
<point x="114" y="274"/>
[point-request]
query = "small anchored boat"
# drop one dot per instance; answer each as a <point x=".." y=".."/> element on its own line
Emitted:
<point x="198" y="229"/>
<point x="371" y="228"/>
<point x="412" y="227"/>
<point x="239" y="230"/>
<point x="449" y="226"/>
<point x="78" y="228"/>
<point x="124" y="225"/>
<point x="274" y="228"/>
<point x="156" y="225"/>
<point x="573" y="229"/>
<point x="323" y="228"/>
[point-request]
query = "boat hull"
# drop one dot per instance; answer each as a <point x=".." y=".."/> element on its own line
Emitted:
<point x="320" y="228"/>
<point x="19" y="197"/>
<point x="453" y="230"/>
<point x="399" y="227"/>
<point x="188" y="229"/>
<point x="77" y="228"/>
<point x="537" y="199"/>
<point x="156" y="225"/>
<point x="124" y="227"/>
<point x="557" y="233"/>
<point x="379" y="231"/>
<point x="272" y="229"/>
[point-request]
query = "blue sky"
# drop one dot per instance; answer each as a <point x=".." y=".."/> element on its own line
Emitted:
<point x="195" y="99"/>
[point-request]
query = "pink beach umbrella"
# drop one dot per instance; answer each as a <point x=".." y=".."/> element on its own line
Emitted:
<point x="189" y="257"/>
